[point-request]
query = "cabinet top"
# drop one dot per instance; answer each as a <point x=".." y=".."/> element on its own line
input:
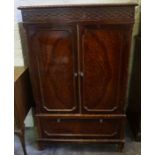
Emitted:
<point x="27" y="4"/>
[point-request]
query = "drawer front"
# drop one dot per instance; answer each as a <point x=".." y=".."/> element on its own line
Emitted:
<point x="97" y="128"/>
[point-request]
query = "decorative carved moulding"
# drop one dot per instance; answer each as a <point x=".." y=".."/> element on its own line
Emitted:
<point x="110" y="14"/>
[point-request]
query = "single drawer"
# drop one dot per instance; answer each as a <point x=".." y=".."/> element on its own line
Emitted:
<point x="97" y="128"/>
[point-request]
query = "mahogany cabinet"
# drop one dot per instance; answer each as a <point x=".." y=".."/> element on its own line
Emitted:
<point x="78" y="59"/>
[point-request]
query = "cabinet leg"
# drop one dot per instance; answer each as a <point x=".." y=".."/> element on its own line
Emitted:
<point x="40" y="146"/>
<point x="120" y="147"/>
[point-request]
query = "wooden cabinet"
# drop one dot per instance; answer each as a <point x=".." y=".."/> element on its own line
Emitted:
<point x="78" y="57"/>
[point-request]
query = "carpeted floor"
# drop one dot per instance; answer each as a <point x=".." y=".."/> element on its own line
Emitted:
<point x="131" y="147"/>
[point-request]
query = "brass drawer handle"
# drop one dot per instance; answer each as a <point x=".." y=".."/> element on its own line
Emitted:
<point x="58" y="120"/>
<point x="101" y="120"/>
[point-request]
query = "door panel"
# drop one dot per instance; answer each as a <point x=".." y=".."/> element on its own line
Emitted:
<point x="55" y="54"/>
<point x="101" y="51"/>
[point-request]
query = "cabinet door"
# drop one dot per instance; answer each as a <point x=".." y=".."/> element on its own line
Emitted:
<point x="53" y="67"/>
<point x="104" y="58"/>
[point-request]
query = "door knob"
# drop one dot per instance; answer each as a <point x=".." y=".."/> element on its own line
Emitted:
<point x="81" y="74"/>
<point x="75" y="74"/>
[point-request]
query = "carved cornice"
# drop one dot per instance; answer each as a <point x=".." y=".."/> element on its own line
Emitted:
<point x="124" y="14"/>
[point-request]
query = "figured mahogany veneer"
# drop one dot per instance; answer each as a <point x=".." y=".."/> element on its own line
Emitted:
<point x="54" y="50"/>
<point x="78" y="57"/>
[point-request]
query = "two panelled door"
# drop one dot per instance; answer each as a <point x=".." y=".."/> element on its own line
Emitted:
<point x="77" y="70"/>
<point x="53" y="61"/>
<point x="102" y="49"/>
